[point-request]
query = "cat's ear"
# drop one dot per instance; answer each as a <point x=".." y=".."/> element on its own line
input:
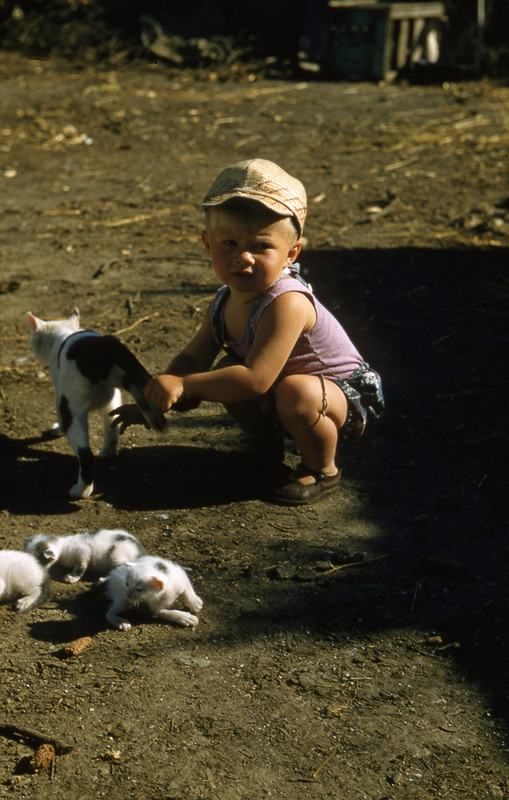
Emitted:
<point x="156" y="583"/>
<point x="75" y="317"/>
<point x="33" y="321"/>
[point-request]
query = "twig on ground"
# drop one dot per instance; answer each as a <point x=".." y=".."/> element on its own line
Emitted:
<point x="353" y="564"/>
<point x="135" y="324"/>
<point x="11" y="730"/>
<point x="333" y="753"/>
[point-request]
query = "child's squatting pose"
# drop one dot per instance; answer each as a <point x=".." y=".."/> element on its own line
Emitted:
<point x="288" y="361"/>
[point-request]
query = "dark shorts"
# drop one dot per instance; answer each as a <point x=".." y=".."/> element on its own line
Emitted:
<point x="363" y="390"/>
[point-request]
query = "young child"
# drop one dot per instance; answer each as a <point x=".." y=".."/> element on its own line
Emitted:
<point x="289" y="365"/>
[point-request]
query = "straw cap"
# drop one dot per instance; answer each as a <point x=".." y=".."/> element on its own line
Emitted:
<point x="261" y="181"/>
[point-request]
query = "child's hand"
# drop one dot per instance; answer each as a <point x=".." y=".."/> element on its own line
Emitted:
<point x="165" y="391"/>
<point x="127" y="415"/>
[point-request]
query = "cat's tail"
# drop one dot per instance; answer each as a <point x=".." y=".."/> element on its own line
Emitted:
<point x="150" y="411"/>
<point x="135" y="378"/>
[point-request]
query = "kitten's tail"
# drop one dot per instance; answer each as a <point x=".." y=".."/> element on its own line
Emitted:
<point x="134" y="381"/>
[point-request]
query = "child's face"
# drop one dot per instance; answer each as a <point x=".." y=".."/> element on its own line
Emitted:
<point x="249" y="258"/>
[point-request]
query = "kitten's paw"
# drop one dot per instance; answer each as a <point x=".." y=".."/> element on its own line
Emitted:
<point x="80" y="491"/>
<point x="124" y="625"/>
<point x="187" y="620"/>
<point x="196" y="604"/>
<point x="70" y="578"/>
<point x="24" y="603"/>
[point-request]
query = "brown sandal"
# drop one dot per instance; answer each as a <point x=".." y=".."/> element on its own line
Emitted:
<point x="295" y="493"/>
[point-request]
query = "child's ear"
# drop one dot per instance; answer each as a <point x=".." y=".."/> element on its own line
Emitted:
<point x="294" y="251"/>
<point x="205" y="240"/>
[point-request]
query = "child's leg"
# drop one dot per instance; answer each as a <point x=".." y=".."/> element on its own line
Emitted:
<point x="257" y="420"/>
<point x="258" y="425"/>
<point x="312" y="411"/>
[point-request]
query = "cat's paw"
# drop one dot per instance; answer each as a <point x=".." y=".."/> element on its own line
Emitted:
<point x="109" y="452"/>
<point x="80" y="490"/>
<point x="124" y="625"/>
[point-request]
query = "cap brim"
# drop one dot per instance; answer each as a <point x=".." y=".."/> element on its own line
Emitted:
<point x="270" y="203"/>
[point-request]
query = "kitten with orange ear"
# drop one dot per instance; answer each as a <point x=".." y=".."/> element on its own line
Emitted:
<point x="155" y="583"/>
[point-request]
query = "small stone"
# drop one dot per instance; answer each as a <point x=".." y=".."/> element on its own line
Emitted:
<point x="42" y="758"/>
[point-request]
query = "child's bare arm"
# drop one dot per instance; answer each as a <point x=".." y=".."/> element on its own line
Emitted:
<point x="197" y="356"/>
<point x="199" y="353"/>
<point x="280" y="327"/>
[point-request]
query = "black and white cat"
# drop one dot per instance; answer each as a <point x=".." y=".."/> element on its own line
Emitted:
<point x="23" y="579"/>
<point x="98" y="550"/>
<point x="153" y="582"/>
<point x="88" y="370"/>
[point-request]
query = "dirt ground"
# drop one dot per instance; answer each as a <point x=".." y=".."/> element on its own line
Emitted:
<point x="352" y="649"/>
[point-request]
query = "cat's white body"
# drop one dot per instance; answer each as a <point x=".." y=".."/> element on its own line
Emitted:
<point x="88" y="370"/>
<point x="99" y="551"/>
<point x="156" y="583"/>
<point x="23" y="579"/>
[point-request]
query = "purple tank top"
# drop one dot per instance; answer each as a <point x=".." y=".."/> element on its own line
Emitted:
<point x="324" y="350"/>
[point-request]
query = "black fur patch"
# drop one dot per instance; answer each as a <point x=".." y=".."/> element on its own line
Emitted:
<point x="65" y="414"/>
<point x="96" y="355"/>
<point x="64" y="343"/>
<point x="160" y="566"/>
<point x="86" y="460"/>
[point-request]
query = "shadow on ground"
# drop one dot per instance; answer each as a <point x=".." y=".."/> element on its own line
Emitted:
<point x="431" y="474"/>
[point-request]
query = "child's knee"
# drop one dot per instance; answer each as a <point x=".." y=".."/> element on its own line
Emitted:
<point x="295" y="394"/>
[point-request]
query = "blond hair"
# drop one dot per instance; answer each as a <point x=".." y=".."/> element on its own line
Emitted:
<point x="248" y="213"/>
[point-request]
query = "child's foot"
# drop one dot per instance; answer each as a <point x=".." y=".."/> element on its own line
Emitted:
<point x="297" y="493"/>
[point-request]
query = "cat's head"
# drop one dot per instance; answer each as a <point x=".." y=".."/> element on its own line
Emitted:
<point x="141" y="582"/>
<point x="44" y="332"/>
<point x="44" y="548"/>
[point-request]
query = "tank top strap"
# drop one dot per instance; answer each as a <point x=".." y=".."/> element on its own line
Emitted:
<point x="216" y="314"/>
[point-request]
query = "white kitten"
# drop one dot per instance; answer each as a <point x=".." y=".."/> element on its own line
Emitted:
<point x="22" y="577"/>
<point x="156" y="583"/>
<point x="99" y="550"/>
<point x="88" y="370"/>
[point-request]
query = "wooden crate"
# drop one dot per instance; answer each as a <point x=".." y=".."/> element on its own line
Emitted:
<point x="377" y="39"/>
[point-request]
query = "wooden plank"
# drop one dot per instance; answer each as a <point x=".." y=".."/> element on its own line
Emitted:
<point x="418" y="40"/>
<point x="416" y="10"/>
<point x="396" y="10"/>
<point x="402" y="43"/>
